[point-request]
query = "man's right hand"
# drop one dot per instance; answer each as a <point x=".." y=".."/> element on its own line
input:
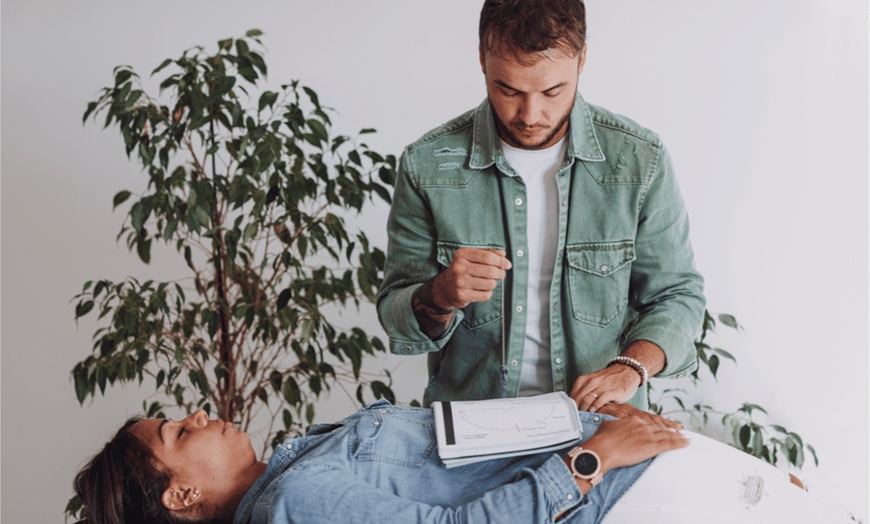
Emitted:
<point x="471" y="277"/>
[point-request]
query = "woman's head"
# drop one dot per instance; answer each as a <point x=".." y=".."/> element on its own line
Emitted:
<point x="159" y="470"/>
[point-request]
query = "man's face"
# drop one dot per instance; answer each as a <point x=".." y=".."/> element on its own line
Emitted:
<point x="532" y="98"/>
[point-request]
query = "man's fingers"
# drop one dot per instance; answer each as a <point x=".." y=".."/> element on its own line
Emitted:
<point x="591" y="402"/>
<point x="488" y="257"/>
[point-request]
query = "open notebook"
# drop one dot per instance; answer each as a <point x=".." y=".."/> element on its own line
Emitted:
<point x="473" y="430"/>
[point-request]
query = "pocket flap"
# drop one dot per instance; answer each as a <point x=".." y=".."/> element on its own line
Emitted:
<point x="447" y="250"/>
<point x="600" y="258"/>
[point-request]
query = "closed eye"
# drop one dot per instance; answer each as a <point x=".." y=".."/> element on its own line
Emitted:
<point x="180" y="432"/>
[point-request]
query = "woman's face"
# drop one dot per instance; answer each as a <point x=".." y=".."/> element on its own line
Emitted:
<point x="208" y="458"/>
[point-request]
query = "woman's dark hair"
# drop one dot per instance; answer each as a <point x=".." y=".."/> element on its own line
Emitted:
<point x="522" y="27"/>
<point x="124" y="482"/>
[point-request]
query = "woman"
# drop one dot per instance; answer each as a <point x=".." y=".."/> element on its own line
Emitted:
<point x="381" y="465"/>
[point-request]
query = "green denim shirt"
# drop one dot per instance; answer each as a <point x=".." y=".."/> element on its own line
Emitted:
<point x="624" y="271"/>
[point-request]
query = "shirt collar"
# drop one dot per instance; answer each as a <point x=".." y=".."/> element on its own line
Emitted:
<point x="582" y="144"/>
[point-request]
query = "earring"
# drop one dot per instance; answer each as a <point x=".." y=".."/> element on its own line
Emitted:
<point x="172" y="504"/>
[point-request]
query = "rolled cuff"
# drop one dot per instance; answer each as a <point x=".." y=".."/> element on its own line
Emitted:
<point x="397" y="318"/>
<point x="559" y="487"/>
<point x="669" y="335"/>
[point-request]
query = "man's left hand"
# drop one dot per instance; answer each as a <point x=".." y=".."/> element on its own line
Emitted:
<point x="612" y="384"/>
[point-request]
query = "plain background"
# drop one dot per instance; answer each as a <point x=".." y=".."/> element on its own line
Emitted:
<point x="763" y="106"/>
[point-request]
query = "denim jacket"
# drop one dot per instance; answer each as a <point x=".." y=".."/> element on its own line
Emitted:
<point x="381" y="465"/>
<point x="624" y="271"/>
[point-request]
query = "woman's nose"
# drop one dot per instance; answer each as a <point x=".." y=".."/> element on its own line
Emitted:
<point x="198" y="418"/>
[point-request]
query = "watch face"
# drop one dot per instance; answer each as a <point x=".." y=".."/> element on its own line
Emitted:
<point x="585" y="463"/>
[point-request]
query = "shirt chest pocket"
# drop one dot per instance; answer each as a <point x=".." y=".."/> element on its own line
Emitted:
<point x="598" y="279"/>
<point x="476" y="314"/>
<point x="390" y="437"/>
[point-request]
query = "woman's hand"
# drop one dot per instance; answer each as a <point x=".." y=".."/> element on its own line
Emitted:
<point x="632" y="440"/>
<point x="627" y="410"/>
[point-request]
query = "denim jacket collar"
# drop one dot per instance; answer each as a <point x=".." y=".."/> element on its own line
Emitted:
<point x="582" y="143"/>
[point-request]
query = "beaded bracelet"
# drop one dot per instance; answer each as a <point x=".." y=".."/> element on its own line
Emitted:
<point x="633" y="364"/>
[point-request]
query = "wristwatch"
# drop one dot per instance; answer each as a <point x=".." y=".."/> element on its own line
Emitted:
<point x="586" y="465"/>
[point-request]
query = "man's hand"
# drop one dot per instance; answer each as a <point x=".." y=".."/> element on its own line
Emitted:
<point x="627" y="410"/>
<point x="612" y="384"/>
<point x="617" y="383"/>
<point x="471" y="277"/>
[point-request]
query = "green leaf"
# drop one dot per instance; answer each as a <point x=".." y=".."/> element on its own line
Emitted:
<point x="381" y="390"/>
<point x="83" y="308"/>
<point x="143" y="249"/>
<point x="267" y="99"/>
<point x="729" y="321"/>
<point x="745" y="436"/>
<point x="319" y="131"/>
<point x="120" y="198"/>
<point x="161" y="66"/>
<point x="382" y="192"/>
<point x="290" y="391"/>
<point x="284" y="298"/>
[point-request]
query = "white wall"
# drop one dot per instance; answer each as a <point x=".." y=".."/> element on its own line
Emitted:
<point x="763" y="105"/>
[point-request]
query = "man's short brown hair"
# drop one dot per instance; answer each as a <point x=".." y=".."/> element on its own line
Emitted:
<point x="522" y="27"/>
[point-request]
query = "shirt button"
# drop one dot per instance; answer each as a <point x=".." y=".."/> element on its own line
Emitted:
<point x="569" y="496"/>
<point x="519" y="309"/>
<point x="604" y="268"/>
<point x="564" y="203"/>
<point x="681" y="375"/>
<point x="406" y="349"/>
<point x="558" y="360"/>
<point x="514" y="363"/>
<point x="596" y="418"/>
<point x="519" y="201"/>
<point x="520" y="253"/>
<point x="376" y="423"/>
<point x="288" y="446"/>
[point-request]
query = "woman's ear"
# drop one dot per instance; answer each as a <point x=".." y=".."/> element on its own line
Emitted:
<point x="178" y="498"/>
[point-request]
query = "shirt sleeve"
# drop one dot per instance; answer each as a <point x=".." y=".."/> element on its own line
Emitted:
<point x="318" y="494"/>
<point x="667" y="289"/>
<point x="411" y="261"/>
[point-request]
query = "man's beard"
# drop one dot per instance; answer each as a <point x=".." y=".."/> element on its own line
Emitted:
<point x="509" y="137"/>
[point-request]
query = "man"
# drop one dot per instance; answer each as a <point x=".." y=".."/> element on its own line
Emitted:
<point x="537" y="242"/>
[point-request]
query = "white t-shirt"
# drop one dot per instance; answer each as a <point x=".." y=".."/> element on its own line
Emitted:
<point x="538" y="170"/>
